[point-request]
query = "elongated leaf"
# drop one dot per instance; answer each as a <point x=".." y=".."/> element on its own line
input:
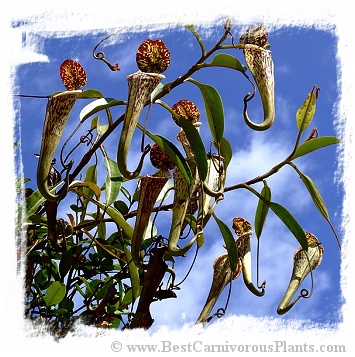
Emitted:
<point x="214" y="110"/>
<point x="172" y="151"/>
<point x="126" y="193"/>
<point x="316" y="197"/>
<point x="88" y="290"/>
<point x="54" y="294"/>
<point x="65" y="262"/>
<point x="78" y="288"/>
<point x="90" y="176"/>
<point x="229" y="241"/>
<point x="118" y="218"/>
<point x="90" y="93"/>
<point x="90" y="185"/>
<point x="262" y="210"/>
<point x="313" y="191"/>
<point x="98" y="105"/>
<point x="228" y="61"/>
<point x="100" y="129"/>
<point x="305" y="113"/>
<point x="114" y="180"/>
<point x="226" y="151"/>
<point x="104" y="289"/>
<point x="133" y="274"/>
<point x="101" y="230"/>
<point x="33" y="202"/>
<point x="198" y="38"/>
<point x="315" y="144"/>
<point x="197" y="146"/>
<point x="290" y="222"/>
<point x="128" y="297"/>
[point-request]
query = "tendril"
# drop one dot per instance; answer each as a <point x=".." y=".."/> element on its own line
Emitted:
<point x="189" y="270"/>
<point x="84" y="139"/>
<point x="249" y="96"/>
<point x="222" y="310"/>
<point x="101" y="55"/>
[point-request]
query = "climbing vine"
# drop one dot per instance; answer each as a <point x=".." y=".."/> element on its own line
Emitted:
<point x="80" y="269"/>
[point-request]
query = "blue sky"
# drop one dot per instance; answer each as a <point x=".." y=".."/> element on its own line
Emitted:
<point x="303" y="56"/>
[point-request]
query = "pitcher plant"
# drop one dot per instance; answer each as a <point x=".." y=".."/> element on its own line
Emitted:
<point x="152" y="59"/>
<point x="243" y="230"/>
<point x="58" y="111"/>
<point x="304" y="263"/>
<point x="259" y="61"/>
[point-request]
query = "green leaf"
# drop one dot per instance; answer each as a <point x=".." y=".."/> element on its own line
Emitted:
<point x="133" y="274"/>
<point x="118" y="218"/>
<point x="101" y="230"/>
<point x="262" y="210"/>
<point x="80" y="291"/>
<point x="94" y="122"/>
<point x="316" y="197"/>
<point x="314" y="144"/>
<point x="214" y="110"/>
<point x="67" y="304"/>
<point x="32" y="204"/>
<point x="54" y="294"/>
<point x="98" y="105"/>
<point x="126" y="193"/>
<point x="198" y="38"/>
<point x="60" y="312"/>
<point x="229" y="241"/>
<point x="194" y="138"/>
<point x="90" y="185"/>
<point x="121" y="206"/>
<point x="90" y="176"/>
<point x="226" y="151"/>
<point x="172" y="151"/>
<point x="129" y="298"/>
<point x="305" y="113"/>
<point x="290" y="222"/>
<point x="313" y="191"/>
<point x="19" y="184"/>
<point x="100" y="129"/>
<point x="114" y="180"/>
<point x="41" y="279"/>
<point x="88" y="290"/>
<point x="104" y="289"/>
<point x="38" y="219"/>
<point x="90" y="93"/>
<point x="228" y="61"/>
<point x="66" y="262"/>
